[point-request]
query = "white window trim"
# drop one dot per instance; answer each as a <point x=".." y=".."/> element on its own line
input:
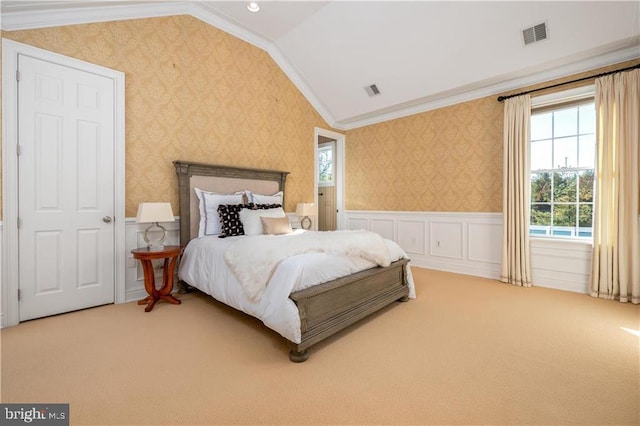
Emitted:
<point x="564" y="96"/>
<point x="550" y="99"/>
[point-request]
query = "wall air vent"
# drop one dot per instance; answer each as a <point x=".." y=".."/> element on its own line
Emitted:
<point x="372" y="90"/>
<point x="535" y="34"/>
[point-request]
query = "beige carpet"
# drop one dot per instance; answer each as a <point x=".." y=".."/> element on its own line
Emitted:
<point x="468" y="350"/>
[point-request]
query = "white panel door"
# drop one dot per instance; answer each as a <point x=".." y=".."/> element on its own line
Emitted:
<point x="66" y="188"/>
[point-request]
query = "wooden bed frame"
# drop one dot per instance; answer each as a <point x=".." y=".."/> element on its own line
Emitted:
<point x="324" y="309"/>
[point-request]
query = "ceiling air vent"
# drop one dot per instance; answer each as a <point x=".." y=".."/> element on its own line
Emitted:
<point x="535" y="33"/>
<point x="372" y="90"/>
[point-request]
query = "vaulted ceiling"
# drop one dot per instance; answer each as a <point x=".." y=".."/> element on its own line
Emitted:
<point x="420" y="54"/>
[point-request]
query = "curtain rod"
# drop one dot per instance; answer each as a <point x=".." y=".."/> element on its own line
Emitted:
<point x="502" y="98"/>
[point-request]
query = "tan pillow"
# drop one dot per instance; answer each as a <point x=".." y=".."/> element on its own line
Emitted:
<point x="276" y="225"/>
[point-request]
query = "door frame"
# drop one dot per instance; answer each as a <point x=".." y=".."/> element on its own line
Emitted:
<point x="340" y="178"/>
<point x="10" y="266"/>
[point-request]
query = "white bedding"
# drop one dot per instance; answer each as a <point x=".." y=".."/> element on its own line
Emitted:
<point x="203" y="266"/>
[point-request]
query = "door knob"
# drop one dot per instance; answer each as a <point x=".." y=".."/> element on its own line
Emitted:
<point x="106" y="219"/>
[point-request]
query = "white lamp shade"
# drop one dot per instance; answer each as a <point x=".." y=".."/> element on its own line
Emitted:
<point x="154" y="212"/>
<point x="305" y="209"/>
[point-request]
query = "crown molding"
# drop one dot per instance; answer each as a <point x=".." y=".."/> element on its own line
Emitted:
<point x="45" y="17"/>
<point x="608" y="55"/>
<point x="299" y="82"/>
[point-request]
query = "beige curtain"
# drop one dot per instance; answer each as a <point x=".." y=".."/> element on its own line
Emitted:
<point x="516" y="263"/>
<point x="615" y="265"/>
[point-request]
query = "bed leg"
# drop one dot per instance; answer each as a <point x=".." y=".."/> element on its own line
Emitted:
<point x="404" y="299"/>
<point x="296" y="356"/>
<point x="184" y="288"/>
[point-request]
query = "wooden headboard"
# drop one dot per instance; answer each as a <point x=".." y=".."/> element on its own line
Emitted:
<point x="222" y="179"/>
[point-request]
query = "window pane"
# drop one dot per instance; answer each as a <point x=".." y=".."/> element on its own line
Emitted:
<point x="565" y="153"/>
<point x="541" y="187"/>
<point x="587" y="151"/>
<point x="565" y="122"/>
<point x="325" y="165"/>
<point x="541" y="214"/>
<point x="586" y="185"/>
<point x="564" y="215"/>
<point x="564" y="187"/>
<point x="586" y="215"/>
<point x="587" y="119"/>
<point x="541" y="126"/>
<point x="541" y="155"/>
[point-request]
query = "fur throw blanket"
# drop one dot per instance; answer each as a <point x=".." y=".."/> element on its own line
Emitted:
<point x="254" y="259"/>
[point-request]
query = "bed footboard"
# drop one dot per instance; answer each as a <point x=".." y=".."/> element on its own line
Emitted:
<point x="328" y="308"/>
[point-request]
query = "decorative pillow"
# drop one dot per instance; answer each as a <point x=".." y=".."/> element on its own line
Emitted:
<point x="211" y="201"/>
<point x="276" y="225"/>
<point x="215" y="220"/>
<point x="230" y="217"/>
<point x="251" y="219"/>
<point x="265" y="199"/>
<point x="264" y="206"/>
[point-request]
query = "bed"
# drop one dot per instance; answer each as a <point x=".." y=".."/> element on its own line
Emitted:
<point x="317" y="294"/>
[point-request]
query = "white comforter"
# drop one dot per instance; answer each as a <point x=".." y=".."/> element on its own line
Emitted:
<point x="203" y="266"/>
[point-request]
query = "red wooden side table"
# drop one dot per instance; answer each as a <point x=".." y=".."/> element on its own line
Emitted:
<point x="170" y="255"/>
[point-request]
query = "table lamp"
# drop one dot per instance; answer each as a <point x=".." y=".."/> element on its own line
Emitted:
<point x="305" y="210"/>
<point x="153" y="213"/>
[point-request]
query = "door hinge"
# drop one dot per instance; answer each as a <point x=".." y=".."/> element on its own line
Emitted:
<point x="19" y="223"/>
<point x="17" y="75"/>
<point x="18" y="295"/>
<point x="18" y="150"/>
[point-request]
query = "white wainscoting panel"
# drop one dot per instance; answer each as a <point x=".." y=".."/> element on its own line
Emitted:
<point x="466" y="243"/>
<point x="411" y="236"/>
<point x="471" y="243"/>
<point x="446" y="239"/>
<point x="561" y="264"/>
<point x="478" y="233"/>
<point x="134" y="276"/>
<point x="383" y="227"/>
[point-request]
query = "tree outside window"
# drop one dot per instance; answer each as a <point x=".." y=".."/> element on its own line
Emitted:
<point x="326" y="155"/>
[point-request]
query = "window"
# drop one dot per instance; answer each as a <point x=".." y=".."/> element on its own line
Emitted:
<point x="562" y="156"/>
<point x="326" y="156"/>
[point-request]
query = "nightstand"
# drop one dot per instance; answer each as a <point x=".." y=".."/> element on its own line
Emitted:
<point x="170" y="255"/>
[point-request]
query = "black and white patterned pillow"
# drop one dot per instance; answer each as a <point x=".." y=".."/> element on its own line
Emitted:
<point x="230" y="217"/>
<point x="264" y="206"/>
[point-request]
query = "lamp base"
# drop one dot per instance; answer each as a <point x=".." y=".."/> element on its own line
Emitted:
<point x="305" y="222"/>
<point x="155" y="245"/>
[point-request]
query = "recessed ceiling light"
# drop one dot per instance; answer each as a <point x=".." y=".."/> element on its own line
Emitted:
<point x="253" y="7"/>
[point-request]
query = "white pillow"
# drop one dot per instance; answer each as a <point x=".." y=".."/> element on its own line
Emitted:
<point x="209" y="201"/>
<point x="251" y="221"/>
<point x="265" y="199"/>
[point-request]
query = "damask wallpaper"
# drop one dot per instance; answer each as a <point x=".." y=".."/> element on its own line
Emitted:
<point x="194" y="92"/>
<point x="447" y="160"/>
